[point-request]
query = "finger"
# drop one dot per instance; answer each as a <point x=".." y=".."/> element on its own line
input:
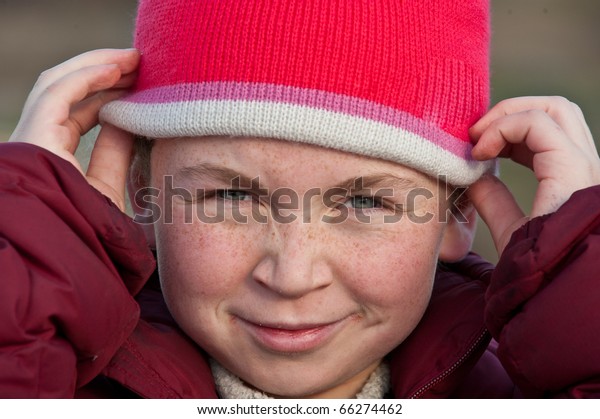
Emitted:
<point x="84" y="115"/>
<point x="54" y="106"/>
<point x="588" y="132"/>
<point x="561" y="110"/>
<point x="533" y="128"/>
<point x="125" y="82"/>
<point x="46" y="124"/>
<point x="110" y="162"/>
<point x="126" y="59"/>
<point x="497" y="207"/>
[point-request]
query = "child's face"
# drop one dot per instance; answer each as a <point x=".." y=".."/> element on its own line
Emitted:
<point x="303" y="307"/>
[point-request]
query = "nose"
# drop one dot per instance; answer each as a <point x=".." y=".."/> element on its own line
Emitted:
<point x="297" y="262"/>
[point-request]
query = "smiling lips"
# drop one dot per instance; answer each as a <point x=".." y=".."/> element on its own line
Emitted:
<point x="291" y="339"/>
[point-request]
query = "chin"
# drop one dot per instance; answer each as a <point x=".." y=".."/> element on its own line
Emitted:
<point x="300" y="380"/>
<point x="287" y="382"/>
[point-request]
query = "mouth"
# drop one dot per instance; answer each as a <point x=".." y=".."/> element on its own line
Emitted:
<point x="291" y="338"/>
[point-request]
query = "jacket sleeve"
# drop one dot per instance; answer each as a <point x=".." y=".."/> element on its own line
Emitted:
<point x="70" y="262"/>
<point x="543" y="303"/>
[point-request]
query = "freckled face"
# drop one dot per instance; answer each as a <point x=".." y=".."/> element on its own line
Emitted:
<point x="310" y="301"/>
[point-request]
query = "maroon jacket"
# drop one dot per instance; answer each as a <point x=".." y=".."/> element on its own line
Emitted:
<point x="71" y="262"/>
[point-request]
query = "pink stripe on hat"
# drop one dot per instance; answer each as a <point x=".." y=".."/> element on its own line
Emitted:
<point x="247" y="92"/>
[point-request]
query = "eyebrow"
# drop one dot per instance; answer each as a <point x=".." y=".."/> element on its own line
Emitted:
<point x="213" y="171"/>
<point x="227" y="175"/>
<point x="222" y="175"/>
<point x="377" y="180"/>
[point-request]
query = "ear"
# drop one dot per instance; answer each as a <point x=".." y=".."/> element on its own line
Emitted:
<point x="459" y="234"/>
<point x="140" y="208"/>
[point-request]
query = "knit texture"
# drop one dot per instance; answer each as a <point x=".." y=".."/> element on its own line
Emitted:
<point x="230" y="386"/>
<point x="391" y="79"/>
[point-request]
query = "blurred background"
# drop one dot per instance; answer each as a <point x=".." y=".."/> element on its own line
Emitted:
<point x="540" y="47"/>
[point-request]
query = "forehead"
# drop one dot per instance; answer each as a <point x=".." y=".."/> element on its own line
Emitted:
<point x="278" y="162"/>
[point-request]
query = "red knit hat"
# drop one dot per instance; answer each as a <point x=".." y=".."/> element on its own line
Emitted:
<point x="401" y="80"/>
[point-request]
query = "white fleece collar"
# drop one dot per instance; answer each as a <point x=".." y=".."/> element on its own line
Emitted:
<point x="230" y="386"/>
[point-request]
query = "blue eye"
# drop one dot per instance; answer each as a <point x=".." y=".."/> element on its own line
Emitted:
<point x="364" y="202"/>
<point x="232" y="195"/>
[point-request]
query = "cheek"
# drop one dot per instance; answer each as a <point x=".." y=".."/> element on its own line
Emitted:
<point x="394" y="276"/>
<point x="199" y="265"/>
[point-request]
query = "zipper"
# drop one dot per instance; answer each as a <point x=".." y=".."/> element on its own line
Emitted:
<point x="419" y="393"/>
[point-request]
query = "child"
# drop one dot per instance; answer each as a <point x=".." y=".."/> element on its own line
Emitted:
<point x="294" y="170"/>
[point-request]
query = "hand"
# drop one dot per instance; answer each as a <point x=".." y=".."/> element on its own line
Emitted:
<point x="547" y="134"/>
<point x="64" y="105"/>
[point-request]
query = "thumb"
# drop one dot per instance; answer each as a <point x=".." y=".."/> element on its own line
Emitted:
<point x="498" y="208"/>
<point x="109" y="163"/>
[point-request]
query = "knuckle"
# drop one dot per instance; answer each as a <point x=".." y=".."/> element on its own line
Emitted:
<point x="50" y="89"/>
<point x="42" y="79"/>
<point x="576" y="108"/>
<point x="505" y="105"/>
<point x="46" y="82"/>
<point x="561" y="104"/>
<point x="537" y="115"/>
<point x="560" y="101"/>
<point x="47" y="74"/>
